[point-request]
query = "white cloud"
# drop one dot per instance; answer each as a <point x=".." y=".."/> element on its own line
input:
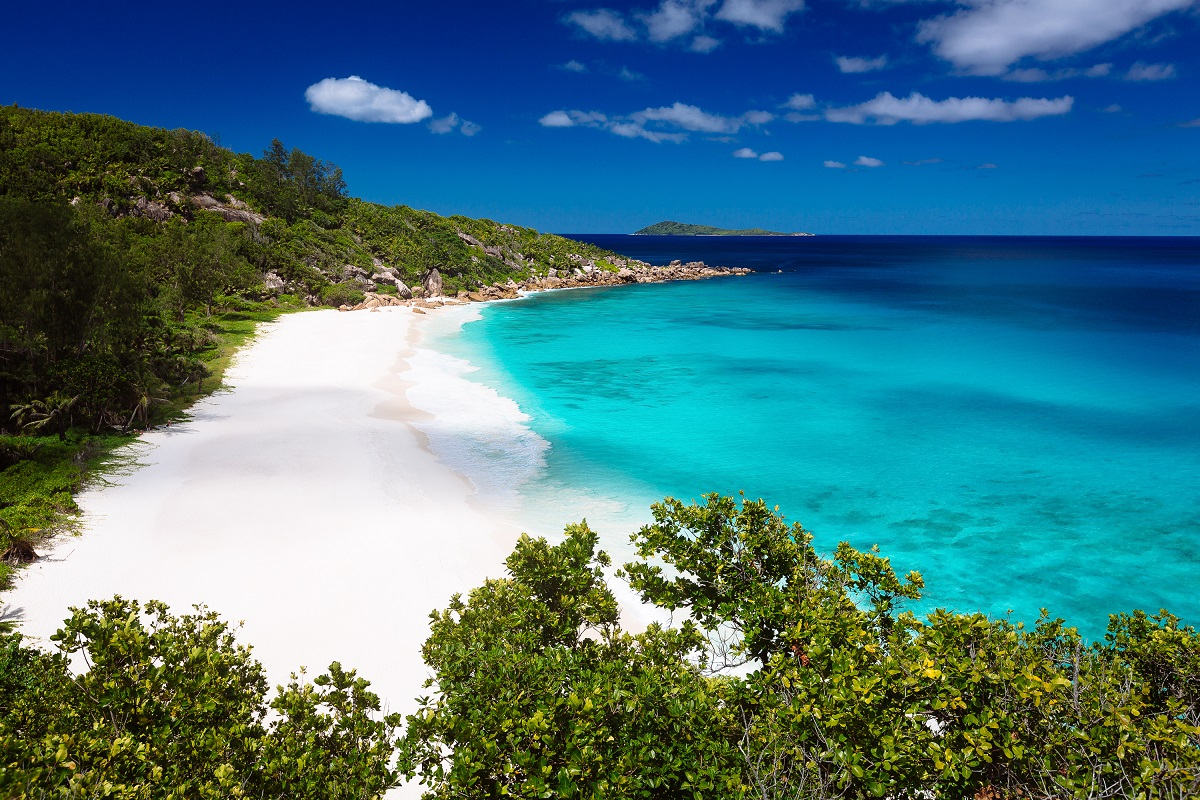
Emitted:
<point x="923" y="162"/>
<point x="854" y="64"/>
<point x="1150" y="72"/>
<point x="1111" y="109"/>
<point x="774" y="155"/>
<point x="604" y="24"/>
<point x="987" y="36"/>
<point x="1192" y="123"/>
<point x="988" y="165"/>
<point x="665" y="124"/>
<point x="570" y="119"/>
<point x="835" y="165"/>
<point x="767" y="15"/>
<point x="801" y="102"/>
<point x="626" y="74"/>
<point x="469" y="128"/>
<point x="690" y="118"/>
<point x="704" y="44"/>
<point x="867" y="161"/>
<point x="1037" y="75"/>
<point x="445" y="124"/>
<point x="675" y="18"/>
<point x="887" y="109"/>
<point x="362" y="101"/>
<point x="745" y="152"/>
<point x="575" y="66"/>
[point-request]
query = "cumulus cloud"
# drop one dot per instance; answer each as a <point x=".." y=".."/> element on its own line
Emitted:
<point x="675" y="18"/>
<point x="575" y="66"/>
<point x="801" y="102"/>
<point x="887" y="109"/>
<point x="1037" y="75"/>
<point x="854" y="64"/>
<point x="363" y="101"/>
<point x="746" y="152"/>
<point x="570" y="119"/>
<point x="704" y="44"/>
<point x="670" y="123"/>
<point x="867" y="161"/>
<point x="1150" y="72"/>
<point x="445" y="124"/>
<point x="450" y="122"/>
<point x="766" y="15"/>
<point x="626" y="74"/>
<point x="604" y="24"/>
<point x="835" y="165"/>
<point x="988" y="36"/>
<point x="690" y="118"/>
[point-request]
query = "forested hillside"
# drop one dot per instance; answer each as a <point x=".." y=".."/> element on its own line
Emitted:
<point x="132" y="260"/>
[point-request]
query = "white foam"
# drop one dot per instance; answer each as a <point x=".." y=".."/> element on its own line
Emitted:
<point x="473" y="429"/>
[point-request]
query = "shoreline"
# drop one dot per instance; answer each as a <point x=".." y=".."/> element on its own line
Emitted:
<point x="304" y="502"/>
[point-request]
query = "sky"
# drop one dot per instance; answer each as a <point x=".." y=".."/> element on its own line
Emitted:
<point x="1013" y="117"/>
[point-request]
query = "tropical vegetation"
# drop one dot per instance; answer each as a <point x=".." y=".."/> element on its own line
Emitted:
<point x="772" y="672"/>
<point x="133" y="259"/>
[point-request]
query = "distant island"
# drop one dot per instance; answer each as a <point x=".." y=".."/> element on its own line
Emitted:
<point x="669" y="228"/>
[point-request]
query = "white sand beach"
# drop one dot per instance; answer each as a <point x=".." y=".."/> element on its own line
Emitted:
<point x="301" y="502"/>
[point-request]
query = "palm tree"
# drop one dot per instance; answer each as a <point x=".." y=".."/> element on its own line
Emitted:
<point x="52" y="414"/>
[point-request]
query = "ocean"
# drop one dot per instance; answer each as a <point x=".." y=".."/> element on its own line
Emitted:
<point x="1018" y="419"/>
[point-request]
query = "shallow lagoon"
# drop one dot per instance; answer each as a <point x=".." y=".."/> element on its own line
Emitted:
<point x="1017" y="419"/>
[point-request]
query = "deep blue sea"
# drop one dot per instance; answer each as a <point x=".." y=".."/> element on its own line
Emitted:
<point x="1016" y="418"/>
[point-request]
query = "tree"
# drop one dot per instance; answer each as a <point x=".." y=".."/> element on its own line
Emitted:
<point x="539" y="693"/>
<point x="173" y="707"/>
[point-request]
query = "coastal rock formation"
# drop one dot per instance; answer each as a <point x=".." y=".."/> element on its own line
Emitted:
<point x="587" y="275"/>
<point x="433" y="283"/>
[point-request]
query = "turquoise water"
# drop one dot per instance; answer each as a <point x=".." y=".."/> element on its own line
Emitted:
<point x="1018" y="423"/>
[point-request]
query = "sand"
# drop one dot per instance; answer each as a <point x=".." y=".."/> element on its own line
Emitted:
<point x="301" y="502"/>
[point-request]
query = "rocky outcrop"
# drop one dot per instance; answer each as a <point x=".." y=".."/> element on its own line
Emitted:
<point x="586" y="275"/>
<point x="352" y="273"/>
<point x="273" y="283"/>
<point x="432" y="283"/>
<point x="232" y="209"/>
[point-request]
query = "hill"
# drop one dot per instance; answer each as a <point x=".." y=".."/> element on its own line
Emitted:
<point x="669" y="228"/>
<point x="121" y="247"/>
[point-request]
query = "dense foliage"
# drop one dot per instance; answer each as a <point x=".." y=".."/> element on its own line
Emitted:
<point x="539" y="693"/>
<point x="785" y="675"/>
<point x="127" y="251"/>
<point x="173" y="707"/>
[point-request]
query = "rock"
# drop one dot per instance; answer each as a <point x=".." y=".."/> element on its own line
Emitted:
<point x="272" y="282"/>
<point x="418" y="310"/>
<point x="469" y="239"/>
<point x="151" y="209"/>
<point x="418" y="291"/>
<point x="403" y="290"/>
<point x="476" y="297"/>
<point x="676" y="263"/>
<point x="626" y="275"/>
<point x="433" y="283"/>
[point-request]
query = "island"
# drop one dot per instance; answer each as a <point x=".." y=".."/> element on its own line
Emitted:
<point x="670" y="228"/>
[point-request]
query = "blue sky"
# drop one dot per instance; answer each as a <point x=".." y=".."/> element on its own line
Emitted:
<point x="831" y="116"/>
